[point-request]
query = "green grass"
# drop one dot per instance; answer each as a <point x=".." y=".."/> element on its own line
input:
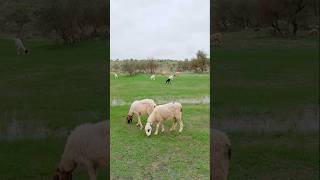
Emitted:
<point x="259" y="79"/>
<point x="54" y="88"/>
<point x="169" y="155"/>
<point x="275" y="156"/>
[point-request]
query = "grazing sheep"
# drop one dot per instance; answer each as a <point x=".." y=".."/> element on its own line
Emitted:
<point x="115" y="75"/>
<point x="171" y="76"/>
<point x="86" y="146"/>
<point x="217" y="39"/>
<point x="139" y="108"/>
<point x="221" y="154"/>
<point x="19" y="46"/>
<point x="169" y="111"/>
<point x="153" y="77"/>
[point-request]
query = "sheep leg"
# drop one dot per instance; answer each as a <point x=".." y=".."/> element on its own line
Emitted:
<point x="181" y="125"/>
<point x="157" y="128"/>
<point x="162" y="127"/>
<point x="139" y="123"/>
<point x="173" y="125"/>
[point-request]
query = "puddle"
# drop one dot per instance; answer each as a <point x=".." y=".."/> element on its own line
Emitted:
<point x="14" y="129"/>
<point x="308" y="121"/>
<point x="201" y="100"/>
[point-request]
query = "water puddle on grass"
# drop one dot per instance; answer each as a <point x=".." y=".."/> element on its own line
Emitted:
<point x="199" y="100"/>
<point x="14" y="129"/>
<point x="307" y="121"/>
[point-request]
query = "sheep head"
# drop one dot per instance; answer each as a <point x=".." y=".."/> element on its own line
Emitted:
<point x="62" y="175"/>
<point x="148" y="129"/>
<point x="129" y="119"/>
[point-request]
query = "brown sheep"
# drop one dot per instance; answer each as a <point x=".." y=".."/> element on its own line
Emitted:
<point x="220" y="154"/>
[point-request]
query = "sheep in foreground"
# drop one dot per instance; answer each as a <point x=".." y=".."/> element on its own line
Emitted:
<point x="115" y="75"/>
<point x="139" y="108"/>
<point x="169" y="111"/>
<point x="221" y="154"/>
<point x="217" y="39"/>
<point x="86" y="146"/>
<point x="153" y="77"/>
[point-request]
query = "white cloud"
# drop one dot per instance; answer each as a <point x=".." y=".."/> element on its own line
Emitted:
<point x="173" y="29"/>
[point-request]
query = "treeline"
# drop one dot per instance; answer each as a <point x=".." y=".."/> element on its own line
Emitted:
<point x="199" y="64"/>
<point x="282" y="17"/>
<point x="68" y="20"/>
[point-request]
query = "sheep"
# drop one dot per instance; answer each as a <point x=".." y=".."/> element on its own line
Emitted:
<point x="139" y="108"/>
<point x="221" y="154"/>
<point x="19" y="46"/>
<point x="171" y="76"/>
<point x="115" y="75"/>
<point x="217" y="39"/>
<point x="86" y="146"/>
<point x="153" y="77"/>
<point x="169" y="111"/>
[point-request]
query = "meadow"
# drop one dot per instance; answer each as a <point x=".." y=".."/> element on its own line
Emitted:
<point x="266" y="97"/>
<point x="169" y="155"/>
<point x="43" y="96"/>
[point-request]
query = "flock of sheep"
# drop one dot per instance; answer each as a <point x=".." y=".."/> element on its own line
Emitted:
<point x="152" y="77"/>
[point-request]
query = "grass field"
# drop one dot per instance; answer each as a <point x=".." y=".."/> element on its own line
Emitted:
<point x="170" y="155"/>
<point x="44" y="95"/>
<point x="266" y="94"/>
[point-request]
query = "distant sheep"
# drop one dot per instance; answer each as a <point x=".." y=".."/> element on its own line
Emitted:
<point x="217" y="39"/>
<point x="153" y="77"/>
<point x="139" y="108"/>
<point x="86" y="146"/>
<point x="20" y="47"/>
<point x="221" y="153"/>
<point x="169" y="111"/>
<point x="171" y="76"/>
<point x="115" y="75"/>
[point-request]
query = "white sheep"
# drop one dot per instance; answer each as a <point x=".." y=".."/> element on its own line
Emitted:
<point x="19" y="46"/>
<point x="171" y="76"/>
<point x="153" y="77"/>
<point x="221" y="154"/>
<point x="139" y="108"/>
<point x="169" y="111"/>
<point x="115" y="75"/>
<point x="86" y="146"/>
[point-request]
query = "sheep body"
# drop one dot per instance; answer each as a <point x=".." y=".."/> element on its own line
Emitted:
<point x="19" y="46"/>
<point x="221" y="155"/>
<point x="153" y="77"/>
<point x="140" y="107"/>
<point x="115" y="75"/>
<point x="169" y="111"/>
<point x="86" y="146"/>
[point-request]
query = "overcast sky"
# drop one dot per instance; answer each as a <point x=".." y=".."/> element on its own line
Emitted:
<point x="174" y="29"/>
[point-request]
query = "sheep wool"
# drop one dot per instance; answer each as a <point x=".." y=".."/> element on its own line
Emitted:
<point x="169" y="111"/>
<point x="86" y="146"/>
